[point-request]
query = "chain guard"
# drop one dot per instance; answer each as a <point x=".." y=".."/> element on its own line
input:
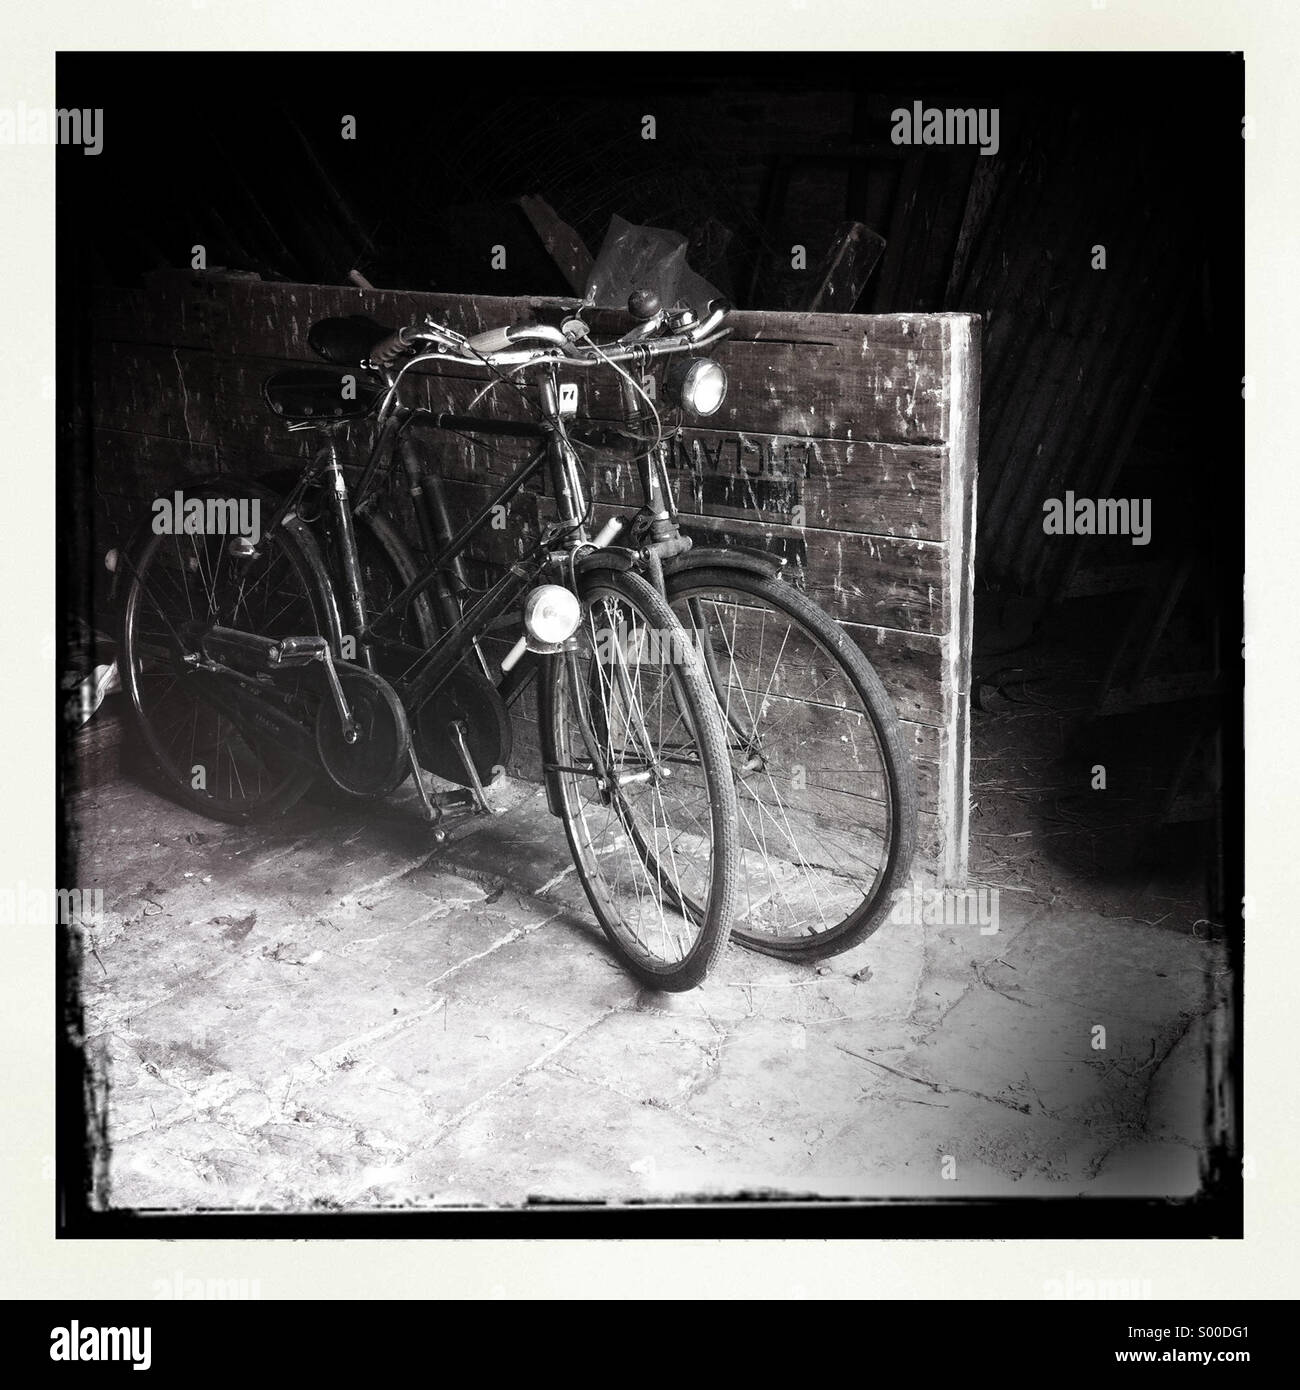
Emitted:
<point x="378" y="761"/>
<point x="469" y="696"/>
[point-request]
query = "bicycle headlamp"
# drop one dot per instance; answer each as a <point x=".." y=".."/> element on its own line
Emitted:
<point x="551" y="616"/>
<point x="697" y="384"/>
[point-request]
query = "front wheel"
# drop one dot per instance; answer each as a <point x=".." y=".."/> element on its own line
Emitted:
<point x="826" y="789"/>
<point x="636" y="767"/>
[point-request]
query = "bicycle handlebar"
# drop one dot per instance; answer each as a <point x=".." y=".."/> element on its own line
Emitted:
<point x="521" y="356"/>
<point x="508" y="346"/>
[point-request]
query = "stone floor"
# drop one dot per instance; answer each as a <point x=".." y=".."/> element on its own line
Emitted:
<point x="331" y="1012"/>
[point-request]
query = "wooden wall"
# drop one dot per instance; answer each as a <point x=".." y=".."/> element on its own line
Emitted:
<point x="847" y="444"/>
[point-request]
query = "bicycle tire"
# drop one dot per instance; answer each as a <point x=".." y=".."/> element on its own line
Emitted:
<point x="822" y="644"/>
<point x="702" y="901"/>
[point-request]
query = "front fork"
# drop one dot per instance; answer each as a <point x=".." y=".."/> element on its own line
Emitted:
<point x="658" y="534"/>
<point x="664" y="541"/>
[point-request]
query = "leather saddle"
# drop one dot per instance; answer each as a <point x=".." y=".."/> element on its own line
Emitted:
<point x="318" y="395"/>
<point x="345" y="341"/>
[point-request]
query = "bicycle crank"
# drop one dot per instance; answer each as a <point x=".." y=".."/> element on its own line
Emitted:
<point x="365" y="753"/>
<point x="468" y="755"/>
<point x="362" y="737"/>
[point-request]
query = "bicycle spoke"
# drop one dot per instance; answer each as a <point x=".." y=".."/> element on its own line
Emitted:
<point x="650" y="844"/>
<point x="814" y="787"/>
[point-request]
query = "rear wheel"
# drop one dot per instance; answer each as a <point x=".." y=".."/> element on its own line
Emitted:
<point x="635" y="758"/>
<point x="826" y="790"/>
<point x="177" y="586"/>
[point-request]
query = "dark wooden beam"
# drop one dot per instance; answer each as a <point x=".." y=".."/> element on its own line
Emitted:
<point x="843" y="275"/>
<point x="567" y="249"/>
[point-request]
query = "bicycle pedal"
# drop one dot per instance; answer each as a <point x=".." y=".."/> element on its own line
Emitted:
<point x="443" y="811"/>
<point x="457" y="812"/>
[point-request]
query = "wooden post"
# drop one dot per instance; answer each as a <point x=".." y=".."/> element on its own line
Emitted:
<point x="963" y="445"/>
<point x="567" y="249"/>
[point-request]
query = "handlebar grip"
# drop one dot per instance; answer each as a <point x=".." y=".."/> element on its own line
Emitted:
<point x="494" y="340"/>
<point x="711" y="322"/>
<point x="387" y="350"/>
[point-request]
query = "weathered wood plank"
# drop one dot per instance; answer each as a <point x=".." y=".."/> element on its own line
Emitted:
<point x="873" y="581"/>
<point x="147" y="465"/>
<point x="822" y="391"/>
<point x="914" y="668"/>
<point x="525" y="763"/>
<point x="834" y="749"/>
<point x="871" y="488"/>
<point x="157" y="390"/>
<point x="923" y="741"/>
<point x="174" y="311"/>
<point x="884" y="581"/>
<point x="912" y="665"/>
<point x="880" y="581"/>
<point x="183" y="394"/>
<point x="263" y="317"/>
<point x="833" y="485"/>
<point x="880" y="382"/>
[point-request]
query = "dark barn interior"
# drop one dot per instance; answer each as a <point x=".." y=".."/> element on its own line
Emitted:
<point x="1100" y="244"/>
<point x="1101" y="382"/>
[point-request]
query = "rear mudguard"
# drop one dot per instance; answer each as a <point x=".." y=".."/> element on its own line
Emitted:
<point x="294" y="525"/>
<point x="399" y="556"/>
<point x="311" y="553"/>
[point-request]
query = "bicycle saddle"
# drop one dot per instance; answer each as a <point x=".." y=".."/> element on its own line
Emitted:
<point x="317" y="394"/>
<point x="345" y="341"/>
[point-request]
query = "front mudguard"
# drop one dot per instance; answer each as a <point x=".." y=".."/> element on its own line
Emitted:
<point x="546" y="732"/>
<point x="697" y="557"/>
<point x="618" y="559"/>
<point x="714" y="557"/>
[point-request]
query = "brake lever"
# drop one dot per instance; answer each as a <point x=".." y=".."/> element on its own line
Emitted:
<point x="441" y="333"/>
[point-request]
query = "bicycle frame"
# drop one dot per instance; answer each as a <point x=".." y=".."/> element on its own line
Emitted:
<point x="443" y="573"/>
<point x="461" y="628"/>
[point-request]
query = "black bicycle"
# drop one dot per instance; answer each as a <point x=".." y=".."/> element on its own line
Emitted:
<point x="714" y="744"/>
